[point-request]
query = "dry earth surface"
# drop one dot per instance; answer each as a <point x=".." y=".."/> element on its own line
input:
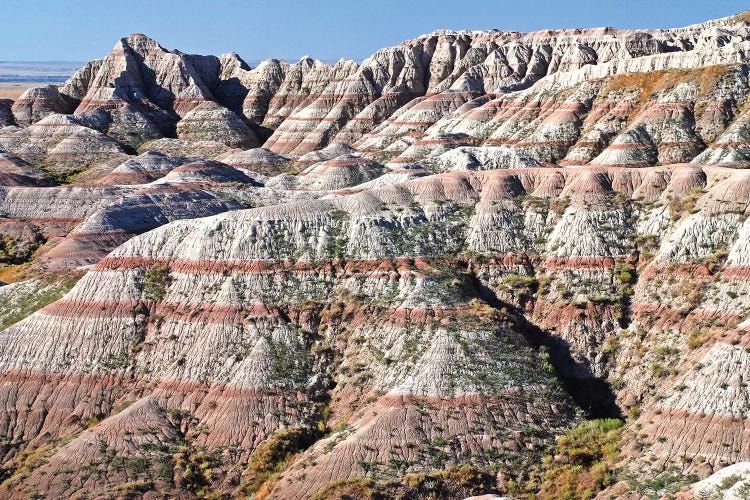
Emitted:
<point x="14" y="90"/>
<point x="477" y="263"/>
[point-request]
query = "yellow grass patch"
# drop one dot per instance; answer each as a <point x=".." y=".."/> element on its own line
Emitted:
<point x="655" y="81"/>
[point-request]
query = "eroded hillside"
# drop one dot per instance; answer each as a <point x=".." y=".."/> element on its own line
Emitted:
<point x="422" y="275"/>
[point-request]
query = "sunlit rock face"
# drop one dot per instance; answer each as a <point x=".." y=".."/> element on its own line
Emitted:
<point x="409" y="275"/>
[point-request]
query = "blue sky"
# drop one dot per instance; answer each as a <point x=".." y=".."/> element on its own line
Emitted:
<point x="79" y="30"/>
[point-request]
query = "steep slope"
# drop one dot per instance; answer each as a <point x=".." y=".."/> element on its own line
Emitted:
<point x="351" y="276"/>
<point x="6" y="115"/>
<point x="640" y="119"/>
<point x="80" y="224"/>
<point x="140" y="91"/>
<point x="236" y="297"/>
<point x="440" y="262"/>
<point x="332" y="175"/>
<point x="16" y="172"/>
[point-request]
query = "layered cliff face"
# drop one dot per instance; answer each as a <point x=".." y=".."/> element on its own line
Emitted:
<point x="412" y="277"/>
<point x="140" y="92"/>
<point x="321" y="294"/>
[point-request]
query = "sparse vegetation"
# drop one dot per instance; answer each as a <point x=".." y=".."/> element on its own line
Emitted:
<point x="344" y="489"/>
<point x="679" y="207"/>
<point x="338" y="241"/>
<point x="585" y="461"/>
<point x="197" y="469"/>
<point x="454" y="482"/>
<point x="625" y="276"/>
<point x="156" y="280"/>
<point x="14" y="250"/>
<point x="742" y="17"/>
<point x="272" y="457"/>
<point x="34" y="296"/>
<point x="519" y="284"/>
<point x="662" y="485"/>
<point x="655" y="81"/>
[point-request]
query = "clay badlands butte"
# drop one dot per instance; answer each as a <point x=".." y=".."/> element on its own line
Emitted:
<point x="477" y="263"/>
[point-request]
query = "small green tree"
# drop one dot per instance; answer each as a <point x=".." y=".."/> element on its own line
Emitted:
<point x="156" y="281"/>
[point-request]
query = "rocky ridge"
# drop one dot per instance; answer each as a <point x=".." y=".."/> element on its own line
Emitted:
<point x="440" y="261"/>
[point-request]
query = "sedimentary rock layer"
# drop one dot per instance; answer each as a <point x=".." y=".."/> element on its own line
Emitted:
<point x="347" y="278"/>
<point x="442" y="256"/>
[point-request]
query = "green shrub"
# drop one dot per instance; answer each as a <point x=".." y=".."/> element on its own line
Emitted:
<point x="584" y="460"/>
<point x="155" y="282"/>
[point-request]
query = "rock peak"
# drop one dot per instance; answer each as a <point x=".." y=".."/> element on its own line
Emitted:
<point x="139" y="41"/>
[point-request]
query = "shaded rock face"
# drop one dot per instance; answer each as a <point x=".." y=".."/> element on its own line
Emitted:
<point x="6" y="115"/>
<point x="16" y="172"/>
<point x="316" y="279"/>
<point x="262" y="85"/>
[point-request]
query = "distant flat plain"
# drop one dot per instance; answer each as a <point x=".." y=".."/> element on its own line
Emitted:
<point x="17" y="76"/>
<point x="13" y="90"/>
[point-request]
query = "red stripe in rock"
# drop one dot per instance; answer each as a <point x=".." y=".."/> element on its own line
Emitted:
<point x="736" y="272"/>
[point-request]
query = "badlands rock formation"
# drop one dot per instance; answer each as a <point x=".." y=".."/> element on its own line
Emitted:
<point x="6" y="116"/>
<point x="16" y="172"/>
<point x="426" y="275"/>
